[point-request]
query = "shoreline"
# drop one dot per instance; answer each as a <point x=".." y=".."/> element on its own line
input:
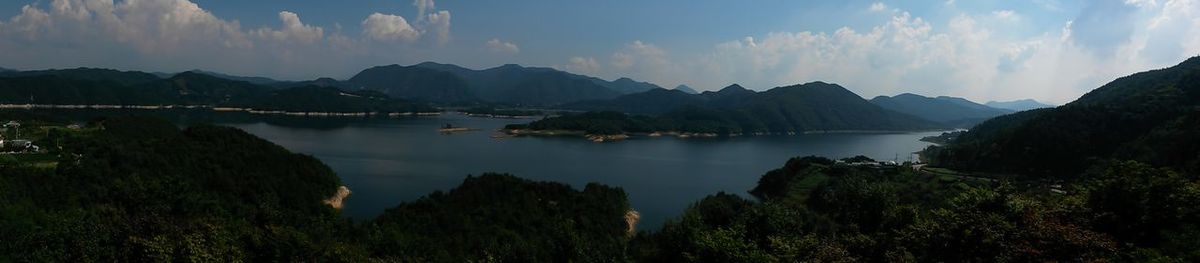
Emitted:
<point x="212" y="108"/>
<point x="680" y="135"/>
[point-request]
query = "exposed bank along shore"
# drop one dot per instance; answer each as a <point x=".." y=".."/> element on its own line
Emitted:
<point x="217" y="109"/>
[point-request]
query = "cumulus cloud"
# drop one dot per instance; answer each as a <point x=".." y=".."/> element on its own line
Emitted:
<point x="175" y="35"/>
<point x="498" y="46"/>
<point x="877" y="7"/>
<point x="965" y="56"/>
<point x="581" y="65"/>
<point x="439" y="23"/>
<point x="1006" y="15"/>
<point x="383" y="27"/>
<point x="392" y="28"/>
<point x="645" y="61"/>
<point x="293" y="30"/>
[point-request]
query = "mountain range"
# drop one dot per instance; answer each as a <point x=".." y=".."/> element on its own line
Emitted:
<point x="86" y="86"/>
<point x="508" y="84"/>
<point x="951" y="111"/>
<point x="946" y="112"/>
<point x="686" y="89"/>
<point x="810" y="107"/>
<point x="807" y="107"/>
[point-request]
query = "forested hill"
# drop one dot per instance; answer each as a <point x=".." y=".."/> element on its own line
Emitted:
<point x="811" y="107"/>
<point x="508" y="84"/>
<point x="109" y="87"/>
<point x="1150" y="116"/>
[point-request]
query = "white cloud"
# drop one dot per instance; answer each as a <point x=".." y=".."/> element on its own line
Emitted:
<point x="965" y="56"/>
<point x="495" y="45"/>
<point x="645" y="61"/>
<point x="383" y="27"/>
<point x="877" y="7"/>
<point x="29" y="23"/>
<point x="439" y="23"/>
<point x="1006" y="15"/>
<point x="175" y="35"/>
<point x="293" y="30"/>
<point x="581" y="65"/>
<point x="423" y="6"/>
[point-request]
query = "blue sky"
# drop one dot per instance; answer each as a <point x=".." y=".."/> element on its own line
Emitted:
<point x="1050" y="50"/>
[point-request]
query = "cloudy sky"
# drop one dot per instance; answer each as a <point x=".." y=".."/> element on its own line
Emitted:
<point x="1050" y="50"/>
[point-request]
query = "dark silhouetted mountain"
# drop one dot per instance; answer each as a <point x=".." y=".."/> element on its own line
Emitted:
<point x="686" y="89"/>
<point x="652" y="102"/>
<point x="93" y="74"/>
<point x="952" y="111"/>
<point x="729" y="96"/>
<point x="255" y="80"/>
<point x="6" y="70"/>
<point x="413" y="82"/>
<point x="820" y="106"/>
<point x="515" y="84"/>
<point x="628" y="86"/>
<point x="812" y="107"/>
<point x="1018" y="105"/>
<point x="1148" y="116"/>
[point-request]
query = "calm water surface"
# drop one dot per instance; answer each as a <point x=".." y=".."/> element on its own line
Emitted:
<point x="388" y="161"/>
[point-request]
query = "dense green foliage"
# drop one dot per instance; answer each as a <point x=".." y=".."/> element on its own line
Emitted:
<point x="1147" y="116"/>
<point x="136" y="190"/>
<point x="503" y="218"/>
<point x="188" y="88"/>
<point x="813" y="209"/>
<point x="950" y="111"/>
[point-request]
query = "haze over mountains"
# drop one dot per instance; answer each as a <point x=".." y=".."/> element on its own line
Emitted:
<point x="1018" y="105"/>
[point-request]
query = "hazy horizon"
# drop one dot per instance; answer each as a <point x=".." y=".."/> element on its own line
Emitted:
<point x="1048" y="50"/>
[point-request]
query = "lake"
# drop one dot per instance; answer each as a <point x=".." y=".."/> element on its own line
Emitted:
<point x="388" y="161"/>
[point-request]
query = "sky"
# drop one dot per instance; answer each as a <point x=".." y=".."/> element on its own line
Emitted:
<point x="1049" y="50"/>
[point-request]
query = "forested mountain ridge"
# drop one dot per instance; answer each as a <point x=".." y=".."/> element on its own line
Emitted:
<point x="686" y="89"/>
<point x="90" y="74"/>
<point x="951" y="111"/>
<point x="413" y="82"/>
<point x="810" y="107"/>
<point x="1133" y="117"/>
<point x="92" y="87"/>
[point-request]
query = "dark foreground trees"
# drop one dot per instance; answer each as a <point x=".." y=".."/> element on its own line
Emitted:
<point x="132" y="189"/>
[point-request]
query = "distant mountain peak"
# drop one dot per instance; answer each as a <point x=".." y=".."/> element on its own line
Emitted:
<point x="685" y="89"/>
<point x="734" y="86"/>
